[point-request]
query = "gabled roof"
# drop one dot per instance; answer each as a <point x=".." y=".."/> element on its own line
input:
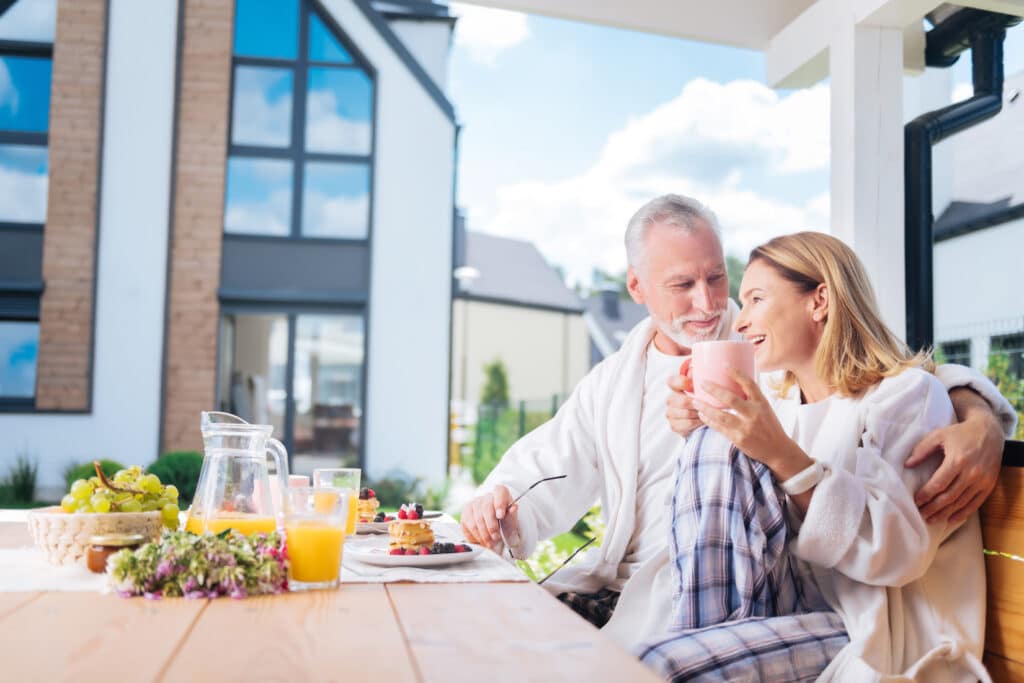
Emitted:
<point x="608" y="328"/>
<point x="378" y="21"/>
<point x="514" y="272"/>
<point x="421" y="10"/>
<point x="988" y="170"/>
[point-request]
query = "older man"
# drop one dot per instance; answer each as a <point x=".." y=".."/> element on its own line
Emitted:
<point x="615" y="445"/>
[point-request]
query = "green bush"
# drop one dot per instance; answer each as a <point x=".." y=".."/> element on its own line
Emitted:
<point x="1000" y="371"/>
<point x="497" y="429"/>
<point x="182" y="469"/>
<point x="86" y="470"/>
<point x="549" y="554"/>
<point x="19" y="486"/>
<point x="395" y="488"/>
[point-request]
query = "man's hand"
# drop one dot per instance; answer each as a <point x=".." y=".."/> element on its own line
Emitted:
<point x="681" y="413"/>
<point x="480" y="518"/>
<point x="972" y="453"/>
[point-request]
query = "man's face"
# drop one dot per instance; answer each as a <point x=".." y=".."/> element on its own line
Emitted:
<point x="684" y="284"/>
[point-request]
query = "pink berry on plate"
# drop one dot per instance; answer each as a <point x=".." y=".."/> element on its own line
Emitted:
<point x="424" y="551"/>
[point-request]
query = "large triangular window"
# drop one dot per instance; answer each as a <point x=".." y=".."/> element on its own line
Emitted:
<point x="27" y="29"/>
<point x="302" y="112"/>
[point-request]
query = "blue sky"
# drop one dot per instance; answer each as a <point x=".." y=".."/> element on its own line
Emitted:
<point x="569" y="127"/>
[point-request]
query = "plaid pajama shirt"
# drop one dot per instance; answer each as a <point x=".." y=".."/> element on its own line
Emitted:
<point x="741" y="611"/>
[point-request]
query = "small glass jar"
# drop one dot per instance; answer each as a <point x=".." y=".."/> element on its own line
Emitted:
<point x="103" y="546"/>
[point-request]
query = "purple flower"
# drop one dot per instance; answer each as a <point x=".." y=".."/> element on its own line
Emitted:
<point x="163" y="570"/>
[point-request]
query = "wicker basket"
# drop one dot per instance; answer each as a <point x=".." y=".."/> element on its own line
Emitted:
<point x="64" y="537"/>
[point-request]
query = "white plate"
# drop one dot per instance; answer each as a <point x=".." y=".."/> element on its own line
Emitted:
<point x="382" y="527"/>
<point x="378" y="555"/>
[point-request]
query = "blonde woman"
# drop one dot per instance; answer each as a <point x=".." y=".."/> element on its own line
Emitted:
<point x="797" y="549"/>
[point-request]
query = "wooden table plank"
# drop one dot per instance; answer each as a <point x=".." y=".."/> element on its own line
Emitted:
<point x="10" y="602"/>
<point x="65" y="636"/>
<point x="348" y="634"/>
<point x="505" y="632"/>
<point x="14" y="535"/>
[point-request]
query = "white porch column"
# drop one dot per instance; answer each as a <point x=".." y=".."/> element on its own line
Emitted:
<point x="866" y="65"/>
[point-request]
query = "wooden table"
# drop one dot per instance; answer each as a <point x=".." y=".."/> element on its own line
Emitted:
<point x="377" y="633"/>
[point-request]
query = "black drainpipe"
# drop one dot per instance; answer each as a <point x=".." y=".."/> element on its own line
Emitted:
<point x="983" y="32"/>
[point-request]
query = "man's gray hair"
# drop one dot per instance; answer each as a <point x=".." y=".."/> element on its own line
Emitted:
<point x="670" y="209"/>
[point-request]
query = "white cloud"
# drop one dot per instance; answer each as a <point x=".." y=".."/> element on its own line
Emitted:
<point x="255" y="119"/>
<point x="8" y="93"/>
<point x="326" y="131"/>
<point x="325" y="216"/>
<point x="268" y="217"/>
<point x="709" y="142"/>
<point x="29" y="20"/>
<point x="22" y="196"/>
<point x="485" y="33"/>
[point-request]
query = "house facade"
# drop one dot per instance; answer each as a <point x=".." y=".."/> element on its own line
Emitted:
<point x="979" y="236"/>
<point x="514" y="307"/>
<point x="241" y="205"/>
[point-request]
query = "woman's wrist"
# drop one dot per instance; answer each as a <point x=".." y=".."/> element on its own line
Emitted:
<point x="789" y="461"/>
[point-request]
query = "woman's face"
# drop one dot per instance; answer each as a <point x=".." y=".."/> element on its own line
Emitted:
<point x="784" y="324"/>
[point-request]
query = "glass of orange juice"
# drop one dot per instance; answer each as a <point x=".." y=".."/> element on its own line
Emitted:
<point x="314" y="525"/>
<point x="345" y="479"/>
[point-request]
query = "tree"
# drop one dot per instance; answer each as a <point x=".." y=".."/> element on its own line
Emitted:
<point x="600" y="278"/>
<point x="734" y="266"/>
<point x="1010" y="385"/>
<point x="495" y="391"/>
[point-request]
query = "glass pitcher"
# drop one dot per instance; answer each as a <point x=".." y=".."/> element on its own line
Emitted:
<point x="234" y="489"/>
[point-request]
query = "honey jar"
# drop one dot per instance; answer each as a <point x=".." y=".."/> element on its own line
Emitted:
<point x="103" y="546"/>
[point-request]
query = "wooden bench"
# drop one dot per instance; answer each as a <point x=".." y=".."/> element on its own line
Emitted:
<point x="1002" y="523"/>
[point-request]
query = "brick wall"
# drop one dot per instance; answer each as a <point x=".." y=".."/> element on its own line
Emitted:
<point x="199" y="172"/>
<point x="69" y="239"/>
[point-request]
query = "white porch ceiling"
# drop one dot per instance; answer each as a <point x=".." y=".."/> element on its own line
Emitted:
<point x="795" y="34"/>
<point x="739" y="23"/>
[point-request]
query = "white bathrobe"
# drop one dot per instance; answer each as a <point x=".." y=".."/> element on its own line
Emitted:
<point x="911" y="594"/>
<point x="594" y="439"/>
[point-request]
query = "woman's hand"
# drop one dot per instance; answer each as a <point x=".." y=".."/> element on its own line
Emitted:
<point x="750" y="423"/>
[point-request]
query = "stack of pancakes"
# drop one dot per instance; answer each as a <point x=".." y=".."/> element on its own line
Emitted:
<point x="366" y="509"/>
<point x="410" y="534"/>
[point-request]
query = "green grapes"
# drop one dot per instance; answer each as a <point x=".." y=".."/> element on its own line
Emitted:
<point x="130" y="490"/>
<point x="81" y="490"/>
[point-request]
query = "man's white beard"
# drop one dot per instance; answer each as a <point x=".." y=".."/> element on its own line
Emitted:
<point x="675" y="329"/>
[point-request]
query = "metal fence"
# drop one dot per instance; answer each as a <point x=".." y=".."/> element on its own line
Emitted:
<point x="997" y="351"/>
<point x="498" y="426"/>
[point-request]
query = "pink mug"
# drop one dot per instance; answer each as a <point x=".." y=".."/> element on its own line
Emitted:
<point x="711" y="362"/>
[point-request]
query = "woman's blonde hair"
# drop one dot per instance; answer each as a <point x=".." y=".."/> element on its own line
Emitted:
<point x="856" y="350"/>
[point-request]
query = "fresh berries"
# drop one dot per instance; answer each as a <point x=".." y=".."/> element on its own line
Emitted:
<point x="380" y="517"/>
<point x="364" y="493"/>
<point x="412" y="514"/>
<point x="370" y="493"/>
<point x="402" y="514"/>
<point x="396" y="551"/>
<point x="419" y="510"/>
<point x="424" y="551"/>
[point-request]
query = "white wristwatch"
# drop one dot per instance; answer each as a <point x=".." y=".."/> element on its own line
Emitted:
<point x="804" y="480"/>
